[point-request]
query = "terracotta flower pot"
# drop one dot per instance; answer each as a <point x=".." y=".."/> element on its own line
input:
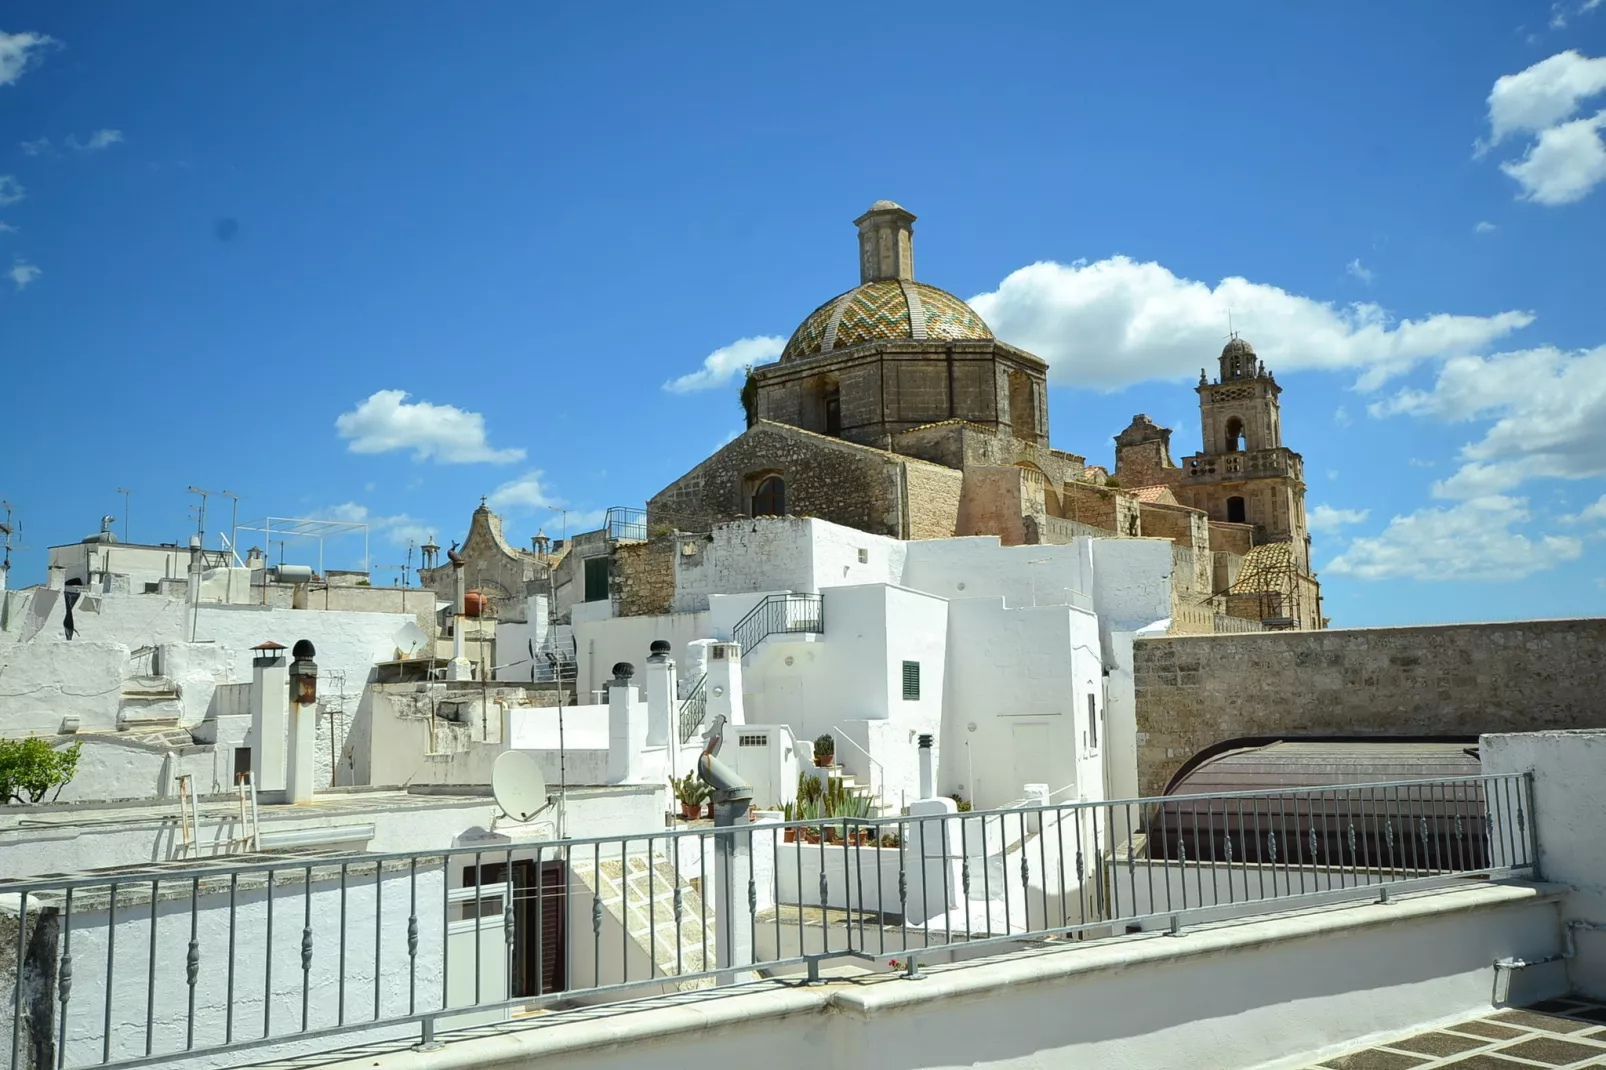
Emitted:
<point x="691" y="811"/>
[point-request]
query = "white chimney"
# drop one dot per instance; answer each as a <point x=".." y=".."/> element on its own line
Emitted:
<point x="627" y="727"/>
<point x="303" y="723"/>
<point x="725" y="683"/>
<point x="928" y="789"/>
<point x="661" y="726"/>
<point x="270" y="705"/>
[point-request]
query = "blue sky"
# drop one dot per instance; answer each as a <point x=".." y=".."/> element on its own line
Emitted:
<point x="377" y="260"/>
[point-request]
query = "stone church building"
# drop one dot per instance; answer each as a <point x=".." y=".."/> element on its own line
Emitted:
<point x="894" y="410"/>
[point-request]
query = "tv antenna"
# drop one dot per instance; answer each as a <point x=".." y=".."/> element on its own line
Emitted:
<point x="8" y="529"/>
<point x="404" y="570"/>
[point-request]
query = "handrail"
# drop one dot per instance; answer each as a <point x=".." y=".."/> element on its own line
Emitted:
<point x="882" y="792"/>
<point x="694" y="709"/>
<point x="779" y="614"/>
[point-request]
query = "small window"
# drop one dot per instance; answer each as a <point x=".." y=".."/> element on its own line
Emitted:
<point x="833" y="414"/>
<point x="242" y="764"/>
<point x="753" y="741"/>
<point x="911" y="680"/>
<point x="1235" y="510"/>
<point x="864" y="556"/>
<point x="1092" y="721"/>
<point x="769" y="497"/>
<point x="152" y="588"/>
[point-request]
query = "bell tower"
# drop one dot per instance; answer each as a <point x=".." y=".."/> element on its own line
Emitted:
<point x="1239" y="412"/>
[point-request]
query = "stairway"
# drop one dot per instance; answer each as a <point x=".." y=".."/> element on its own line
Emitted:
<point x="641" y="900"/>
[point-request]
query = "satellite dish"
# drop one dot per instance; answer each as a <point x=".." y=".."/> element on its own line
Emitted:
<point x="518" y="784"/>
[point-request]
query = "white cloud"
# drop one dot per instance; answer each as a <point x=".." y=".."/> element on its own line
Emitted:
<point x="19" y="51"/>
<point x="723" y="365"/>
<point x="1328" y="519"/>
<point x="7" y="228"/>
<point x="1595" y="511"/>
<point x="1360" y="271"/>
<point x="1485" y="227"/>
<point x="37" y="147"/>
<point x="100" y="139"/>
<point x="1341" y="417"/>
<point x="22" y="273"/>
<point x="1548" y="408"/>
<point x="527" y="491"/>
<point x="398" y="529"/>
<point x="11" y="190"/>
<point x="1116" y="322"/>
<point x="1543" y="95"/>
<point x="1564" y="164"/>
<point x="387" y="421"/>
<point x="1471" y="540"/>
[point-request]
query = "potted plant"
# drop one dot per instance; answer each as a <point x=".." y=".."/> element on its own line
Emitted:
<point x="691" y="793"/>
<point x="824" y="751"/>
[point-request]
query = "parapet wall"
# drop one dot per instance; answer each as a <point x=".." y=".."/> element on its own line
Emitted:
<point x="1448" y="680"/>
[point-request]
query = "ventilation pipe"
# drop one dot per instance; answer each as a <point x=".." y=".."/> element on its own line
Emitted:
<point x="661" y="731"/>
<point x="270" y="710"/>
<point x="458" y="669"/>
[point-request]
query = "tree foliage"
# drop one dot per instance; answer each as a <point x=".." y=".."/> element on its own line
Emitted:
<point x="750" y="397"/>
<point x="30" y="768"/>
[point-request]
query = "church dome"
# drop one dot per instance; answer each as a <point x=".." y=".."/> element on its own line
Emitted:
<point x="882" y="310"/>
<point x="1237" y="347"/>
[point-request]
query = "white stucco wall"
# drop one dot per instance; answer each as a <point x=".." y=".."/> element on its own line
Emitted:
<point x="782" y="554"/>
<point x="1569" y="801"/>
<point x="1021" y="677"/>
<point x="1288" y="991"/>
<point x="600" y="644"/>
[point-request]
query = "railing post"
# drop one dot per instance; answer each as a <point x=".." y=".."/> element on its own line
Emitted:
<point x="427" y="1040"/>
<point x="1533" y="827"/>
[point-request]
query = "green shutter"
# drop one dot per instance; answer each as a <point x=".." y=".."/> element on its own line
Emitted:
<point x="596" y="579"/>
<point x="911" y="680"/>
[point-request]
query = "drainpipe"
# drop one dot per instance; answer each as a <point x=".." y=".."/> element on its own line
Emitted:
<point x="1569" y="950"/>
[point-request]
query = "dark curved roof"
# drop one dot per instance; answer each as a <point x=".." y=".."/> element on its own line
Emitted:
<point x="1270" y="764"/>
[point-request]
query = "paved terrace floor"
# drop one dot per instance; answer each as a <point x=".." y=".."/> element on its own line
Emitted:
<point x="1557" y="1033"/>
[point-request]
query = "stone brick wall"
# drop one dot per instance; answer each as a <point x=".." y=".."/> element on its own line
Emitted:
<point x="1100" y="507"/>
<point x="934" y="496"/>
<point x="1145" y="464"/>
<point x="1055" y="531"/>
<point x="1231" y="538"/>
<point x="825" y="477"/>
<point x="642" y="578"/>
<point x="1450" y="680"/>
<point x="994" y="503"/>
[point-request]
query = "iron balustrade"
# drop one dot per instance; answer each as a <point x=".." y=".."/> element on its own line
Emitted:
<point x="694" y="709"/>
<point x="142" y="965"/>
<point x="779" y="614"/>
<point x="625" y="523"/>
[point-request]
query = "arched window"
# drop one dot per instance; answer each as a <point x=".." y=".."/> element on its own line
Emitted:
<point x="769" y="497"/>
<point x="1235" y="511"/>
<point x="1235" y="435"/>
<point x="833" y="410"/>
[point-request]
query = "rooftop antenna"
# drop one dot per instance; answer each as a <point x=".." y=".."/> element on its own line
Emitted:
<point x="8" y="528"/>
<point x="200" y="512"/>
<point x="234" y="519"/>
<point x="126" y="493"/>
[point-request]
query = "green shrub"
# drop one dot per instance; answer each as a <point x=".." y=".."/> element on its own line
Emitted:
<point x="29" y="768"/>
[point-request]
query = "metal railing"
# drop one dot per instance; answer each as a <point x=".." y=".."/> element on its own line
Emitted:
<point x="625" y="522"/>
<point x="779" y="614"/>
<point x="305" y="954"/>
<point x="694" y="709"/>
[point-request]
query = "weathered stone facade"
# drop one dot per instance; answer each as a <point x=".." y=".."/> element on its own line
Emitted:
<point x="493" y="568"/>
<point x="642" y="576"/>
<point x="1448" y="681"/>
<point x="843" y="482"/>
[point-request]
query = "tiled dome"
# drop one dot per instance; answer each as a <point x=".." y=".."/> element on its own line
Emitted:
<point x="885" y="309"/>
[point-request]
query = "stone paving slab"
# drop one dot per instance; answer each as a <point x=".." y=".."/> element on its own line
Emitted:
<point x="1559" y="1034"/>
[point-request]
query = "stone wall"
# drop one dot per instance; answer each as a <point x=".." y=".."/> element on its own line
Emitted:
<point x="1450" y="680"/>
<point x="838" y="481"/>
<point x="934" y="495"/>
<point x="1100" y="507"/>
<point x="994" y="502"/>
<point x="642" y="578"/>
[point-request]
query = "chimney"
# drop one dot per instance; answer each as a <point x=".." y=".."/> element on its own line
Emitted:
<point x="270" y="704"/>
<point x="661" y="728"/>
<point x="725" y="683"/>
<point x="928" y="789"/>
<point x="627" y="726"/>
<point x="458" y="669"/>
<point x="303" y="722"/>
